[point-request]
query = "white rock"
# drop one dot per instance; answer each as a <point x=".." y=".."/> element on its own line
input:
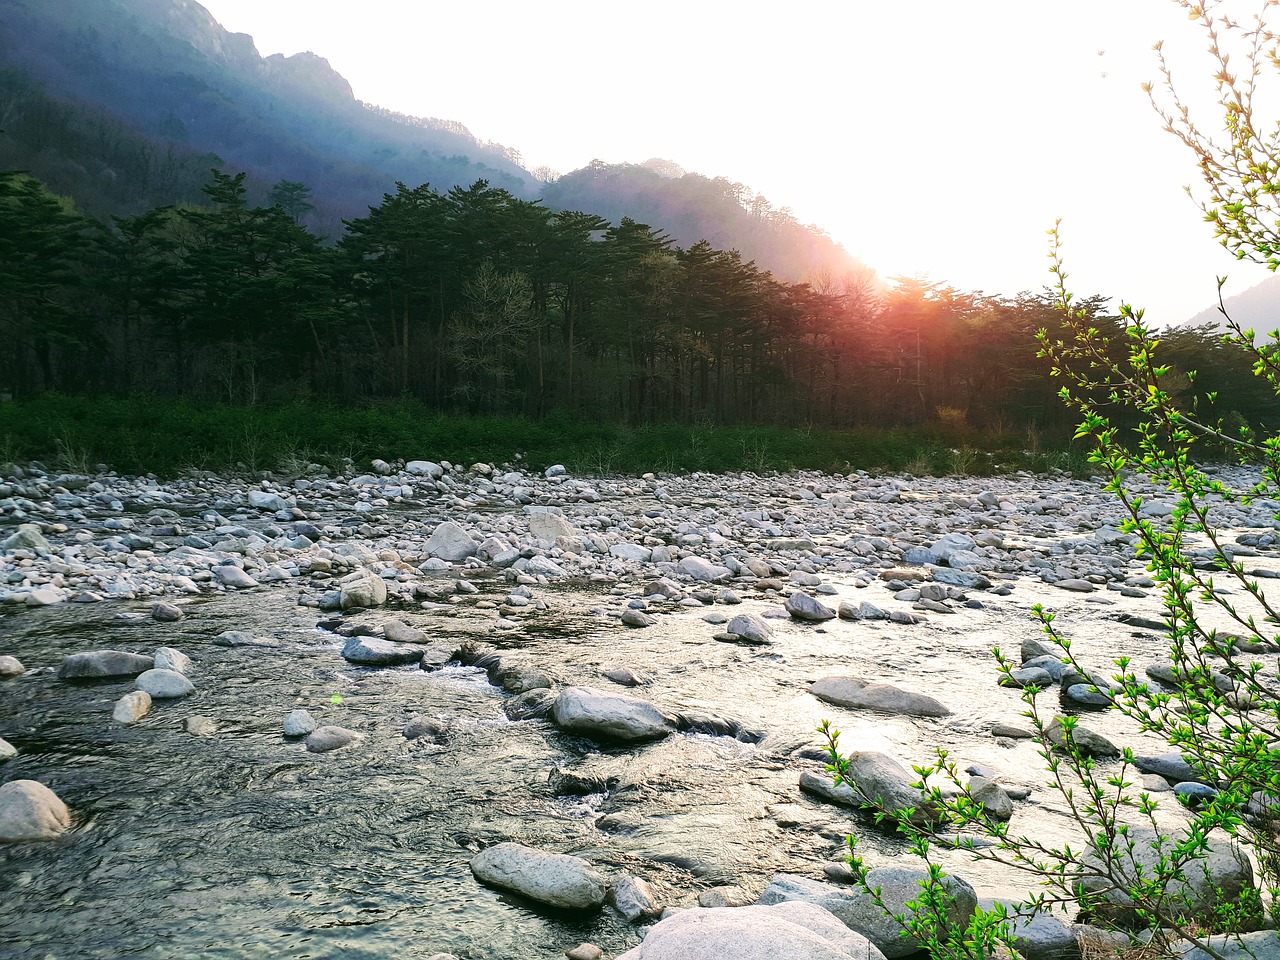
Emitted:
<point x="132" y="707"/>
<point x="556" y="879"/>
<point x="31" y="811"/>
<point x="167" y="658"/>
<point x="165" y="684"/>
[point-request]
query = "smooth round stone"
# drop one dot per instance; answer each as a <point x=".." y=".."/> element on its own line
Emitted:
<point x="200" y="726"/>
<point x="324" y="739"/>
<point x="7" y="750"/>
<point x="167" y="658"/>
<point x="31" y="811"/>
<point x="298" y="723"/>
<point x="165" y="684"/>
<point x="11" y="667"/>
<point x="132" y="707"/>
<point x="166" y="612"/>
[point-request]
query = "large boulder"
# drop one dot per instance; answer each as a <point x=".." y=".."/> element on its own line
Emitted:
<point x="749" y="628"/>
<point x="450" y="542"/>
<point x="555" y="879"/>
<point x="548" y="523"/>
<point x="796" y="931"/>
<point x="27" y="537"/>
<point x="103" y="663"/>
<point x="609" y="716"/>
<point x="861" y="694"/>
<point x="803" y="607"/>
<point x="857" y="910"/>
<point x="363" y="588"/>
<point x="1219" y="876"/>
<point x="697" y="568"/>
<point x="164" y="684"/>
<point x="375" y="652"/>
<point x="1261" y="945"/>
<point x="31" y="811"/>
<point x="881" y="783"/>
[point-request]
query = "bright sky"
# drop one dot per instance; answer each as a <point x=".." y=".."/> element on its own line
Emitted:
<point x="929" y="137"/>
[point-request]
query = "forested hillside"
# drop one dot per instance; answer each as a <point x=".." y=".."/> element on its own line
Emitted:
<point x="475" y="300"/>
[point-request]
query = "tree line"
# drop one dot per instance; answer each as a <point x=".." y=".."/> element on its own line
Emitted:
<point x="476" y="301"/>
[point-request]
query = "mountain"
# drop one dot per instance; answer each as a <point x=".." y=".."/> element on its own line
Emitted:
<point x="691" y="207"/>
<point x="81" y="77"/>
<point x="1257" y="308"/>
<point x="125" y="105"/>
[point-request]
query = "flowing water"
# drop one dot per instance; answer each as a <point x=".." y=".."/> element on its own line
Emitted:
<point x="242" y="844"/>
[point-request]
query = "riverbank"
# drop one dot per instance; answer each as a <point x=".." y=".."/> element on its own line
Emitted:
<point x="205" y="831"/>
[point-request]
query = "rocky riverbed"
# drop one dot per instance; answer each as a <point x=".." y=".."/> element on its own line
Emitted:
<point x="492" y="712"/>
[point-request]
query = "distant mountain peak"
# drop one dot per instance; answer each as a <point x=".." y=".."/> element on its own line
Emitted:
<point x="310" y="75"/>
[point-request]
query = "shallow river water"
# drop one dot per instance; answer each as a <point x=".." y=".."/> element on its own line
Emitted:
<point x="242" y="844"/>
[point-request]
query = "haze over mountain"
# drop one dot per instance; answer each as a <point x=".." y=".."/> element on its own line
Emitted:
<point x="1257" y="308"/>
<point x="126" y="104"/>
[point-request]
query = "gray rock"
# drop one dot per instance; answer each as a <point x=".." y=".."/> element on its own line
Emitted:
<point x="725" y="896"/>
<point x="103" y="663"/>
<point x="200" y="726"/>
<point x="1171" y="766"/>
<point x="1042" y="936"/>
<point x="229" y="575"/>
<point x="1089" y="743"/>
<point x="545" y="525"/>
<point x="1260" y="945"/>
<point x="609" y="716"/>
<point x="166" y="612"/>
<point x="856" y="909"/>
<point x="530" y="705"/>
<point x="262" y="500"/>
<point x="298" y="723"/>
<point x="633" y="898"/>
<point x="425" y="728"/>
<point x="27" y="537"/>
<point x="879" y="782"/>
<point x="324" y="739"/>
<point x="167" y="658"/>
<point x="363" y="588"/>
<point x="703" y="570"/>
<point x="860" y="694"/>
<point x="450" y="542"/>
<point x="1221" y="875"/>
<point x="375" y="652"/>
<point x="794" y="931"/>
<point x="637" y="618"/>
<point x="750" y="628"/>
<point x="545" y="567"/>
<point x="31" y="811"/>
<point x="801" y="606"/>
<point x="165" y="684"/>
<point x="399" y="632"/>
<point x="7" y="750"/>
<point x="991" y="795"/>
<point x="1021" y="677"/>
<point x="11" y="667"/>
<point x="132" y="707"/>
<point x="863" y="611"/>
<point x="556" y="879"/>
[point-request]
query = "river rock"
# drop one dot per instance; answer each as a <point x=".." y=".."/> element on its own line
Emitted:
<point x="703" y="570"/>
<point x="1042" y="936"/>
<point x="637" y="618"/>
<point x="750" y="628"/>
<point x="103" y="663"/>
<point x="530" y="705"/>
<point x="861" y="694"/>
<point x="399" y="632"/>
<point x="27" y="537"/>
<point x="546" y="525"/>
<point x="992" y="797"/>
<point x="881" y="783"/>
<point x="166" y="612"/>
<point x="1171" y="766"/>
<point x="375" y="652"/>
<point x="1259" y="945"/>
<point x="795" y="931"/>
<point x="450" y="542"/>
<point x="324" y="739"/>
<point x="856" y="909"/>
<point x="200" y="726"/>
<point x="167" y="658"/>
<point x="362" y="589"/>
<point x="584" y="951"/>
<point x="633" y="898"/>
<point x="1089" y="743"/>
<point x="7" y="750"/>
<point x="229" y="575"/>
<point x="11" y="667"/>
<point x="556" y="879"/>
<point x="545" y="567"/>
<point x="165" y="684"/>
<point x="1022" y="677"/>
<point x="1221" y="875"/>
<point x="609" y="716"/>
<point x="298" y="723"/>
<point x="132" y="707"/>
<point x="801" y="606"/>
<point x="31" y="811"/>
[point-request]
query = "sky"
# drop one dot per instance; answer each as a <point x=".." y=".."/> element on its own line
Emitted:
<point x="930" y="137"/>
